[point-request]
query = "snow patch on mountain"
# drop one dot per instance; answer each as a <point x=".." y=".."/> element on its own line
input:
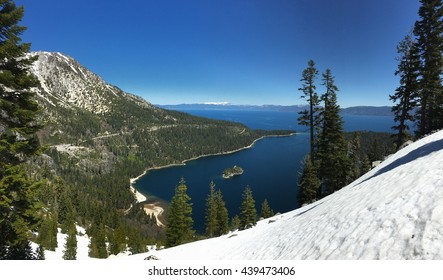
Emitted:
<point x="66" y="83"/>
<point x="395" y="211"/>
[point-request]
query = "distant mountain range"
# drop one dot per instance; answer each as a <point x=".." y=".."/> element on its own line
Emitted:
<point x="356" y="110"/>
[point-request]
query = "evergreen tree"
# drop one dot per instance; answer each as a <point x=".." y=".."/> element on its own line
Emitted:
<point x="428" y="30"/>
<point x="117" y="240"/>
<point x="266" y="211"/>
<point x="366" y="165"/>
<point x="47" y="232"/>
<point x="40" y="253"/>
<point x="70" y="252"/>
<point x="18" y="206"/>
<point x="309" y="183"/>
<point x="135" y="242"/>
<point x="332" y="145"/>
<point x="248" y="213"/>
<point x="354" y="151"/>
<point x="222" y="215"/>
<point x="211" y="211"/>
<point x="97" y="245"/>
<point x="179" y="227"/>
<point x="235" y="222"/>
<point x="310" y="117"/>
<point x="407" y="93"/>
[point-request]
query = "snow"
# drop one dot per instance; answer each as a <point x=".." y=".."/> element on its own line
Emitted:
<point x="395" y="211"/>
<point x="82" y="246"/>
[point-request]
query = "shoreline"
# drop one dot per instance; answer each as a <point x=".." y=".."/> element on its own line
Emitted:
<point x="142" y="198"/>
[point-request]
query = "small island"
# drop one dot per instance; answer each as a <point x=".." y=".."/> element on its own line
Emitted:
<point x="231" y="172"/>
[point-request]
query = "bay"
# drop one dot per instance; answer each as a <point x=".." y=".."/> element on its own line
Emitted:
<point x="271" y="166"/>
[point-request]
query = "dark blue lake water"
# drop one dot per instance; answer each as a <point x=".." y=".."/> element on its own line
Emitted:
<point x="271" y="166"/>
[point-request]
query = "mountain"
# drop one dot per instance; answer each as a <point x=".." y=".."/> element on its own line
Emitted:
<point x="395" y="211"/>
<point x="80" y="109"/>
<point x="357" y="110"/>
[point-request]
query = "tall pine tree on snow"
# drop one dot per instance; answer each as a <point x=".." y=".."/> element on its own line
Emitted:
<point x="222" y="214"/>
<point x="18" y="110"/>
<point x="429" y="32"/>
<point x="179" y="227"/>
<point x="332" y="154"/>
<point x="309" y="183"/>
<point x="211" y="211"/>
<point x="406" y="95"/>
<point x="310" y="117"/>
<point x="248" y="213"/>
<point x="266" y="211"/>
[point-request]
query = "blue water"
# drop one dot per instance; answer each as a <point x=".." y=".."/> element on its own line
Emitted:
<point x="271" y="166"/>
<point x="288" y="120"/>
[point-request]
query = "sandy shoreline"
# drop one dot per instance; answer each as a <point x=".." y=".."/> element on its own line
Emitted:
<point x="158" y="210"/>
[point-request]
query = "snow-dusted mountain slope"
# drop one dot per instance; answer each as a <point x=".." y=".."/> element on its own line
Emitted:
<point x="66" y="83"/>
<point x="395" y="211"/>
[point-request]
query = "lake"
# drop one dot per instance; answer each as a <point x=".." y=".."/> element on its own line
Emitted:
<point x="271" y="166"/>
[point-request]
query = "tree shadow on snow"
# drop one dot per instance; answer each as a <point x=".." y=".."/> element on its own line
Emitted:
<point x="411" y="156"/>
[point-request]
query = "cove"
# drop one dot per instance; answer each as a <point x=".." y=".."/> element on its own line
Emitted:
<point x="271" y="168"/>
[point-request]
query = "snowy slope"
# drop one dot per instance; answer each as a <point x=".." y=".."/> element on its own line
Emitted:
<point x="395" y="211"/>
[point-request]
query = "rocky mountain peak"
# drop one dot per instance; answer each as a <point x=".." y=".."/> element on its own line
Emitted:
<point x="65" y="82"/>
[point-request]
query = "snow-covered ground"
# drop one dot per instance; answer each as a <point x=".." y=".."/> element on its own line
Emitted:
<point x="82" y="246"/>
<point x="395" y="211"/>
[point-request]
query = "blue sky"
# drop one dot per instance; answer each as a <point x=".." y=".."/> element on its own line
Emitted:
<point x="238" y="51"/>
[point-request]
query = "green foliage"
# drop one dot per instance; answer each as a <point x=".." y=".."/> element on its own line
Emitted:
<point x="47" y="231"/>
<point x="211" y="211"/>
<point x="309" y="183"/>
<point x="248" y="213"/>
<point x="235" y="223"/>
<point x="179" y="228"/>
<point x="222" y="215"/>
<point x="18" y="110"/>
<point x="70" y="252"/>
<point x="135" y="242"/>
<point x="429" y="32"/>
<point x="217" y="218"/>
<point x="407" y="93"/>
<point x="117" y="241"/>
<point x="97" y="244"/>
<point x="266" y="211"/>
<point x="333" y="162"/>
<point x="310" y="117"/>
<point x="40" y="253"/>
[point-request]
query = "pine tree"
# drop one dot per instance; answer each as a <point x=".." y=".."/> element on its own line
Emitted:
<point x="248" y="213"/>
<point x="18" y="206"/>
<point x="332" y="146"/>
<point x="266" y="211"/>
<point x="406" y="95"/>
<point x="117" y="240"/>
<point x="222" y="215"/>
<point x="135" y="242"/>
<point x="428" y="30"/>
<point x="354" y="151"/>
<point x="310" y="117"/>
<point x="235" y="223"/>
<point x="211" y="211"/>
<point x="97" y="244"/>
<point x="40" y="253"/>
<point x="179" y="227"/>
<point x="70" y="252"/>
<point x="309" y="183"/>
<point x="47" y="232"/>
